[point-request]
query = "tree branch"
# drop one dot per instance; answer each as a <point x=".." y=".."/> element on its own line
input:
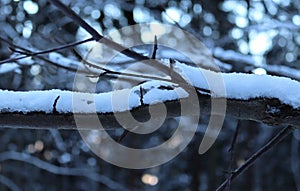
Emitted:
<point x="274" y="141"/>
<point x="124" y="50"/>
<point x="67" y="171"/>
<point x="97" y="36"/>
<point x="30" y="53"/>
<point x="253" y="109"/>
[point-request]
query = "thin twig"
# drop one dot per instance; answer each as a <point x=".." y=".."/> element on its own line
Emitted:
<point x="58" y="170"/>
<point x="181" y="82"/>
<point x="141" y="96"/>
<point x="79" y="57"/>
<point x="54" y="110"/>
<point x="236" y="132"/>
<point x="111" y="72"/>
<point x="126" y="132"/>
<point x="9" y="183"/>
<point x="106" y="72"/>
<point x="274" y="141"/>
<point x="30" y="53"/>
<point x="124" y="74"/>
<point x="12" y="59"/>
<point x="88" y="73"/>
<point x="154" y="48"/>
<point x="128" y="52"/>
<point x="96" y="36"/>
<point x="44" y="59"/>
<point x="123" y="135"/>
<point x="231" y="151"/>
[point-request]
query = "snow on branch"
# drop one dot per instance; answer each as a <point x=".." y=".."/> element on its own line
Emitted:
<point x="247" y="86"/>
<point x="269" y="99"/>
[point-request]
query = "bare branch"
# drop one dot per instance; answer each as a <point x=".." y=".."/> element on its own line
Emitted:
<point x="45" y="59"/>
<point x="273" y="142"/>
<point x="112" y="72"/>
<point x="123" y="135"/>
<point x="68" y="171"/>
<point x="96" y="36"/>
<point x="124" y="50"/>
<point x="231" y="151"/>
<point x="9" y="183"/>
<point x="30" y="53"/>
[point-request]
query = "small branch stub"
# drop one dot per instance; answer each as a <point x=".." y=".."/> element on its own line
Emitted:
<point x="154" y="48"/>
<point x="141" y="96"/>
<point x="54" y="110"/>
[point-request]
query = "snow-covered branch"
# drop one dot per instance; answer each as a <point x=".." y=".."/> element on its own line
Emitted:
<point x="268" y="99"/>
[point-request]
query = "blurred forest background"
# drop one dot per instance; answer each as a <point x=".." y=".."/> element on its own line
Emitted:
<point x="250" y="36"/>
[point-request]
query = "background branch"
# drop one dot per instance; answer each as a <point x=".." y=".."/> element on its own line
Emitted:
<point x="12" y="155"/>
<point x="273" y="142"/>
